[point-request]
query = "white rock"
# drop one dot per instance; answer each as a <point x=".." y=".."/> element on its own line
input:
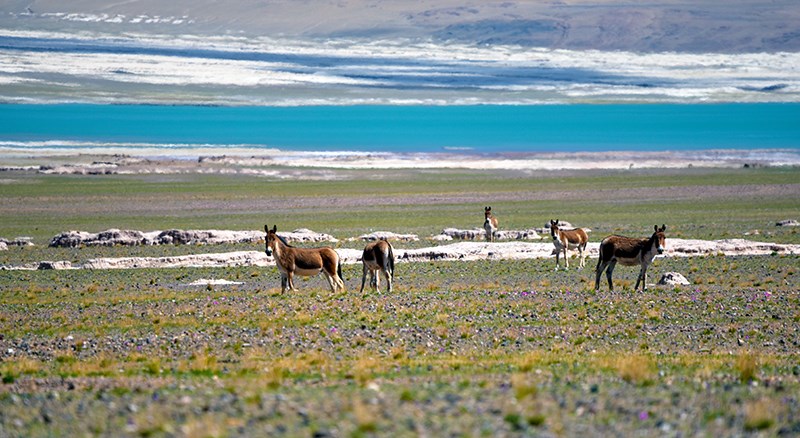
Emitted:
<point x="673" y="279"/>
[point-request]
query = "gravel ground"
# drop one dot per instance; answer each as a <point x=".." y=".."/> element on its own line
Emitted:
<point x="498" y="348"/>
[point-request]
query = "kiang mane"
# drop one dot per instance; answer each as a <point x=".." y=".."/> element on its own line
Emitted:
<point x="283" y="240"/>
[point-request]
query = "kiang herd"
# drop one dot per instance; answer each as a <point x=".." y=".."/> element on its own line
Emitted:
<point x="378" y="256"/>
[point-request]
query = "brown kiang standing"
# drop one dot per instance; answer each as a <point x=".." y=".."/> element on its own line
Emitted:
<point x="629" y="252"/>
<point x="564" y="240"/>
<point x="378" y="257"/>
<point x="489" y="223"/>
<point x="303" y="261"/>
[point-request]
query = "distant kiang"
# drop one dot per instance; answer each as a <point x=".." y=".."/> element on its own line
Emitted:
<point x="566" y="239"/>
<point x="303" y="261"/>
<point x="629" y="252"/>
<point x="489" y="223"/>
<point x="378" y="257"/>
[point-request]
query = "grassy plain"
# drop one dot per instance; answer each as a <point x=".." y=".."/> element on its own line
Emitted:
<point x="484" y="348"/>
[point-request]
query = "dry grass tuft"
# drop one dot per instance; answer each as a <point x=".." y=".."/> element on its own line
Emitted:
<point x="747" y="366"/>
<point x="760" y="414"/>
<point x="636" y="368"/>
<point x="524" y="387"/>
<point x="365" y="416"/>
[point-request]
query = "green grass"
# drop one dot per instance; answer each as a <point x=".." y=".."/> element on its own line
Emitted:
<point x="421" y="202"/>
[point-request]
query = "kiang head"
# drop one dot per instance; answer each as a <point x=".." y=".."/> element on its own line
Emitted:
<point x="272" y="237"/>
<point x="487" y="211"/>
<point x="660" y="238"/>
<point x="553" y="227"/>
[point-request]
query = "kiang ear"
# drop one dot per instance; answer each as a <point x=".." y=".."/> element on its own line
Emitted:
<point x="266" y="228"/>
<point x="487" y="208"/>
<point x="274" y="228"/>
<point x="655" y="227"/>
<point x="663" y="228"/>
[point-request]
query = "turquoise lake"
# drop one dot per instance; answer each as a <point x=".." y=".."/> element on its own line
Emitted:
<point x="409" y="129"/>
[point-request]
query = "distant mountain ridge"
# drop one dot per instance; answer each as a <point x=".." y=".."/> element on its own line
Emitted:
<point x="735" y="26"/>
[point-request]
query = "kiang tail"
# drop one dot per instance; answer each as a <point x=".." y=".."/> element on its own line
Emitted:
<point x="391" y="260"/>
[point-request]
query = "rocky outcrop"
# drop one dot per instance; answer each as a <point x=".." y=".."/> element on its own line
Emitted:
<point x="115" y="237"/>
<point x="45" y="265"/>
<point x="787" y="223"/>
<point x="19" y="241"/>
<point x="239" y="258"/>
<point x="111" y="237"/>
<point x="206" y="237"/>
<point x="387" y="235"/>
<point x="476" y="251"/>
<point x="728" y="247"/>
<point x="305" y="235"/>
<point x="480" y="233"/>
<point x="456" y="251"/>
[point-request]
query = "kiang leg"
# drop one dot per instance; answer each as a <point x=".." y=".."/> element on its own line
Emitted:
<point x="376" y="280"/>
<point x="609" y="272"/>
<point x="558" y="254"/>
<point x="364" y="277"/>
<point x="387" y="274"/>
<point x="598" y="273"/>
<point x="642" y="278"/>
<point x="331" y="279"/>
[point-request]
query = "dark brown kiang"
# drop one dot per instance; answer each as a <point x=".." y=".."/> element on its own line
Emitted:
<point x="629" y="252"/>
<point x="378" y="257"/>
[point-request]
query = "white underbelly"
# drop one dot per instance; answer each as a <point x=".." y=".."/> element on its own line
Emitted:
<point x="307" y="272"/>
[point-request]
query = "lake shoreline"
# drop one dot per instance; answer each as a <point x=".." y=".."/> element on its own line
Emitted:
<point x="261" y="162"/>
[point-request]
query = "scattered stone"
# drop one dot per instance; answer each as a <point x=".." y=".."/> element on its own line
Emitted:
<point x="46" y="265"/>
<point x="442" y="238"/>
<point x="787" y="223"/>
<point x="214" y="282"/>
<point x="3" y="246"/>
<point x="673" y="279"/>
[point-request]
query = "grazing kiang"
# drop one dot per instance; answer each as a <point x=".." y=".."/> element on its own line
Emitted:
<point x="629" y="252"/>
<point x="566" y="239"/>
<point x="489" y="223"/>
<point x="303" y="261"/>
<point x="378" y="257"/>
